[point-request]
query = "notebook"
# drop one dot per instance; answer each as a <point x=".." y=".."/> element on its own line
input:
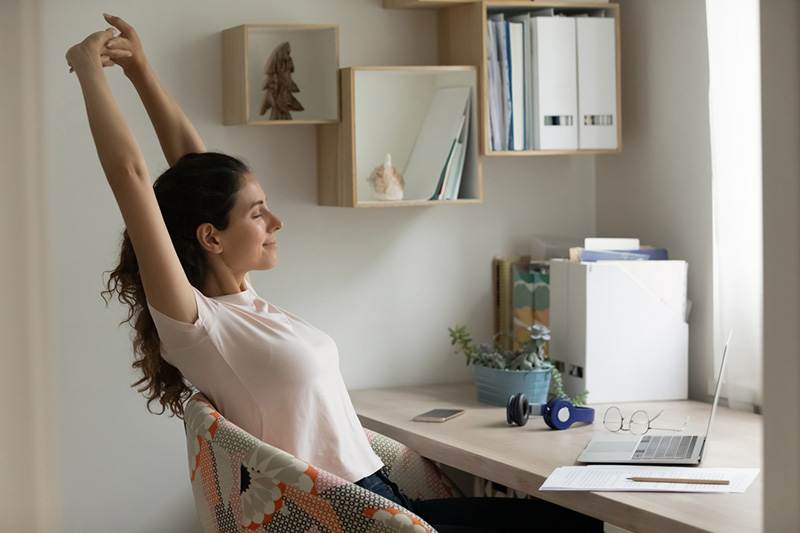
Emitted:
<point x="655" y="449"/>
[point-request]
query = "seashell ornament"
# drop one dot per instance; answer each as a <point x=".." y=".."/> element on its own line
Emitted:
<point x="386" y="181"/>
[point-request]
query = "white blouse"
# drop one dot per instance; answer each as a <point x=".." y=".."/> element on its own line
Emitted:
<point x="272" y="374"/>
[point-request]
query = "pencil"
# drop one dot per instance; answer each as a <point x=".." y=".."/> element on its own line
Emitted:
<point x="679" y="480"/>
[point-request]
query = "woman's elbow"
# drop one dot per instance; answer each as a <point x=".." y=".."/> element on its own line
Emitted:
<point x="127" y="173"/>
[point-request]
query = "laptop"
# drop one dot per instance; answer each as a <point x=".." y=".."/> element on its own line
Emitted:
<point x="655" y="449"/>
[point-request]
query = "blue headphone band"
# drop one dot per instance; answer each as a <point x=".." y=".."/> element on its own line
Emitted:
<point x="584" y="414"/>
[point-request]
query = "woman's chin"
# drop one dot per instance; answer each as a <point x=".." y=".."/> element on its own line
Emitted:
<point x="266" y="266"/>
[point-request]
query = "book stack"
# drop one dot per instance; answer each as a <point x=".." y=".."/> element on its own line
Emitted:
<point x="522" y="298"/>
<point x="552" y="81"/>
<point x="615" y="249"/>
<point x="530" y="298"/>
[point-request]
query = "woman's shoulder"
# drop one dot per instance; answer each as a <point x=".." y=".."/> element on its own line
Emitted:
<point x="207" y="310"/>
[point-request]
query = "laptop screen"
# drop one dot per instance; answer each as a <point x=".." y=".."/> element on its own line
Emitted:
<point x="719" y="385"/>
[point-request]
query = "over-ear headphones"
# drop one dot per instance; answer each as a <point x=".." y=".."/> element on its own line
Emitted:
<point x="558" y="413"/>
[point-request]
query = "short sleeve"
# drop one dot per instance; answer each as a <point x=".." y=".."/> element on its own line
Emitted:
<point x="176" y="335"/>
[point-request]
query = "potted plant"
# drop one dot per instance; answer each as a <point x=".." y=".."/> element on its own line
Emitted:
<point x="500" y="373"/>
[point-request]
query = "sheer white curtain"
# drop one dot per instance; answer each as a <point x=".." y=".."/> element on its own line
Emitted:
<point x="735" y="114"/>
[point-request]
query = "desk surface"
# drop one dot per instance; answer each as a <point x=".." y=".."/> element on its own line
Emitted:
<point x="480" y="442"/>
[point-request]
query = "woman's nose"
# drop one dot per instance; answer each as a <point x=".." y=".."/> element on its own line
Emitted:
<point x="276" y="223"/>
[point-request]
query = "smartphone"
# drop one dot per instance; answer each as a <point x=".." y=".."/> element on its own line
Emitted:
<point x="438" y="415"/>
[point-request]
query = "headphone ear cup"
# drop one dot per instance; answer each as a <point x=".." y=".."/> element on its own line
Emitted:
<point x="561" y="413"/>
<point x="517" y="409"/>
<point x="523" y="409"/>
<point x="511" y="406"/>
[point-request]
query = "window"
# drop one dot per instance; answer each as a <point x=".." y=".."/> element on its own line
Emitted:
<point x="735" y="115"/>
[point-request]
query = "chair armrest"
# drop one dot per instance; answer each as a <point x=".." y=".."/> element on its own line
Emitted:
<point x="416" y="476"/>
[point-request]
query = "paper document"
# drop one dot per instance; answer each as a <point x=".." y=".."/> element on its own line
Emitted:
<point x="615" y="478"/>
<point x="610" y="243"/>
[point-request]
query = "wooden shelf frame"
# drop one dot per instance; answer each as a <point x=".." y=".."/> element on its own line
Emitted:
<point x="321" y="85"/>
<point x="421" y="4"/>
<point x="439" y="4"/>
<point x="337" y="169"/>
<point x="462" y="41"/>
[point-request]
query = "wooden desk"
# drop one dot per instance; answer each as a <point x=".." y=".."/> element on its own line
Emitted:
<point x="480" y="442"/>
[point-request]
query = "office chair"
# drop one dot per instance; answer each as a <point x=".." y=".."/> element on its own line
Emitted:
<point x="242" y="484"/>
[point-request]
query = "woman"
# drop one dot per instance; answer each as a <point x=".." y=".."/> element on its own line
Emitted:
<point x="191" y="240"/>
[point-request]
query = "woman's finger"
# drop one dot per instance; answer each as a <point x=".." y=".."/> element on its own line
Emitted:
<point x="99" y="38"/>
<point x="104" y="36"/>
<point x="117" y="42"/>
<point x="116" y="54"/>
<point x="118" y="23"/>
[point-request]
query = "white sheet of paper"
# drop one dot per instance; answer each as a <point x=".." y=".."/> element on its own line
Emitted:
<point x="610" y="243"/>
<point x="615" y="478"/>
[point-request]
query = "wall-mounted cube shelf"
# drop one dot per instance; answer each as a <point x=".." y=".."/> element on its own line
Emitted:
<point x="315" y="54"/>
<point x="383" y="109"/>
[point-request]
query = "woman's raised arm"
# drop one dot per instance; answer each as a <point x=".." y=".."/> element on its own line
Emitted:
<point x="164" y="280"/>
<point x="174" y="130"/>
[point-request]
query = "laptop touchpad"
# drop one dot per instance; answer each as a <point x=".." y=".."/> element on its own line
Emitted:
<point x="612" y="447"/>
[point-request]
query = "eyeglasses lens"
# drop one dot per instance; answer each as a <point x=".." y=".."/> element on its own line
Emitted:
<point x="640" y="423"/>
<point x="612" y="419"/>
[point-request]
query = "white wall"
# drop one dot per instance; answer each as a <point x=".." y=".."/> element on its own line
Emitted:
<point x="385" y="283"/>
<point x="659" y="187"/>
<point x="780" y="73"/>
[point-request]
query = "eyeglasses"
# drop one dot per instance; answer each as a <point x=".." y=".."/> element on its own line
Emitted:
<point x="638" y="424"/>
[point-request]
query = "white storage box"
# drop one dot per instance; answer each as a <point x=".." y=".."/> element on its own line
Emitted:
<point x="618" y="329"/>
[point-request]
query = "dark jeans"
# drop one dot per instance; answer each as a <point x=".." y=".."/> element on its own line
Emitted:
<point x="485" y="515"/>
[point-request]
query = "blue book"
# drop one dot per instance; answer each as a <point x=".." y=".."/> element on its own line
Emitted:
<point x="510" y="91"/>
<point x="642" y="254"/>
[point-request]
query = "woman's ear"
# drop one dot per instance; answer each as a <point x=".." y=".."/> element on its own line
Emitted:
<point x="207" y="237"/>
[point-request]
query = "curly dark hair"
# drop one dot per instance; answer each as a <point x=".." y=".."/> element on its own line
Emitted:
<point x="198" y="189"/>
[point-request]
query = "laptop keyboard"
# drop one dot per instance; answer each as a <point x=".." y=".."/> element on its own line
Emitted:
<point x="666" y="447"/>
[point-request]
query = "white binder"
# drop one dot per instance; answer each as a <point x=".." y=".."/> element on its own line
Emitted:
<point x="555" y="83"/>
<point x="619" y="329"/>
<point x="527" y="59"/>
<point x="597" y="83"/>
<point x="516" y="57"/>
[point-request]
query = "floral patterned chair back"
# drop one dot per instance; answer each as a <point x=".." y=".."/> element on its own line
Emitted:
<point x="242" y="484"/>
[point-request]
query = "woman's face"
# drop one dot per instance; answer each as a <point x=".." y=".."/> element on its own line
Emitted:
<point x="249" y="242"/>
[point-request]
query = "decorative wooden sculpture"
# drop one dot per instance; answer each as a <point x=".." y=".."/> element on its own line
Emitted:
<point x="279" y="85"/>
<point x="387" y="182"/>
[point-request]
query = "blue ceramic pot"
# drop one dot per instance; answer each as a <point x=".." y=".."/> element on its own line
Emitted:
<point x="494" y="386"/>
